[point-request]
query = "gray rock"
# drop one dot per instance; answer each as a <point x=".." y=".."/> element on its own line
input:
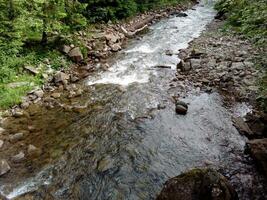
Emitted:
<point x="1" y="143"/>
<point x="17" y="84"/>
<point x="198" y="184"/>
<point x="195" y="63"/>
<point x="16" y="137"/>
<point x="238" y="65"/>
<point x="115" y="47"/>
<point x="32" y="70"/>
<point x="65" y="49"/>
<point x="39" y="93"/>
<point x="4" y="167"/>
<point x="61" y="77"/>
<point x="18" y="158"/>
<point x="76" y="55"/>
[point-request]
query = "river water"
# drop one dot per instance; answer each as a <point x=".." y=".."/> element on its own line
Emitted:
<point x="130" y="140"/>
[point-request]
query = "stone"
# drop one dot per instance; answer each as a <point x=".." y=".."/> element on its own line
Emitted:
<point x="17" y="84"/>
<point x="181" y="107"/>
<point x="61" y="77"/>
<point x="33" y="151"/>
<point x="258" y="150"/>
<point x="238" y="65"/>
<point x="76" y="55"/>
<point x="4" y="167"/>
<point x="65" y="49"/>
<point x="105" y="164"/>
<point x="111" y="38"/>
<point x="16" y="137"/>
<point x="2" y="130"/>
<point x="195" y="63"/>
<point x="39" y="93"/>
<point x="56" y="95"/>
<point x="242" y="126"/>
<point x="115" y="47"/>
<point x="18" y="158"/>
<point x="1" y="143"/>
<point x="198" y="184"/>
<point x="32" y="70"/>
<point x="183" y="66"/>
<point x="25" y="105"/>
<point x="181" y="14"/>
<point x="17" y="113"/>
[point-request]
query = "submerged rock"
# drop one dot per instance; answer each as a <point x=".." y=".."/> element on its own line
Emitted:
<point x="4" y="167"/>
<point x="258" y="150"/>
<point x="198" y="184"/>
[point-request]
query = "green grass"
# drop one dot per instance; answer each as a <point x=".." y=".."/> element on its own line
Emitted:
<point x="12" y="71"/>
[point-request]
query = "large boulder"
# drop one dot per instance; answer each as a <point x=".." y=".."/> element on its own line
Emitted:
<point x="198" y="184"/>
<point x="258" y="150"/>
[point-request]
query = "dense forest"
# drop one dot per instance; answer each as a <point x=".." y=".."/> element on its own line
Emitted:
<point x="29" y="30"/>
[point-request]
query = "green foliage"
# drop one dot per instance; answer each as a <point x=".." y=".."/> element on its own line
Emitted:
<point x="248" y="17"/>
<point x="103" y="10"/>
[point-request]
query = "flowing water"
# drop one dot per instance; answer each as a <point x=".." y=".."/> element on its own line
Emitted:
<point x="130" y="141"/>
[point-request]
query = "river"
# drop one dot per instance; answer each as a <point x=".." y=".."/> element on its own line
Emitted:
<point x="130" y="140"/>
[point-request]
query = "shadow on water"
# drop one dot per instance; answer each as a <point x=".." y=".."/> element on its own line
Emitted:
<point x="129" y="140"/>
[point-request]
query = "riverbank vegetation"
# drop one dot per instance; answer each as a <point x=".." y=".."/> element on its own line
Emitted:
<point x="32" y="30"/>
<point x="249" y="18"/>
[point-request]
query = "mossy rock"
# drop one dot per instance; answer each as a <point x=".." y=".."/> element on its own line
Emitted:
<point x="198" y="184"/>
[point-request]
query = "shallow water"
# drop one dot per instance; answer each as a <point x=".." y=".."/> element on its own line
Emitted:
<point x="130" y="141"/>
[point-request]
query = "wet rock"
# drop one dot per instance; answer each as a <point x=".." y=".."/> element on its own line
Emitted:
<point x="198" y="184"/>
<point x="258" y="150"/>
<point x="4" y="167"/>
<point x="18" y="158"/>
<point x="242" y="126"/>
<point x="16" y="137"/>
<point x="257" y="122"/>
<point x="61" y="77"/>
<point x="33" y="151"/>
<point x="181" y="107"/>
<point x="181" y="14"/>
<point x="1" y="143"/>
<point x="76" y="55"/>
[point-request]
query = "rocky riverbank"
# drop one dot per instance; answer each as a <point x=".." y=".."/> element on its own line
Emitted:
<point x="227" y="64"/>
